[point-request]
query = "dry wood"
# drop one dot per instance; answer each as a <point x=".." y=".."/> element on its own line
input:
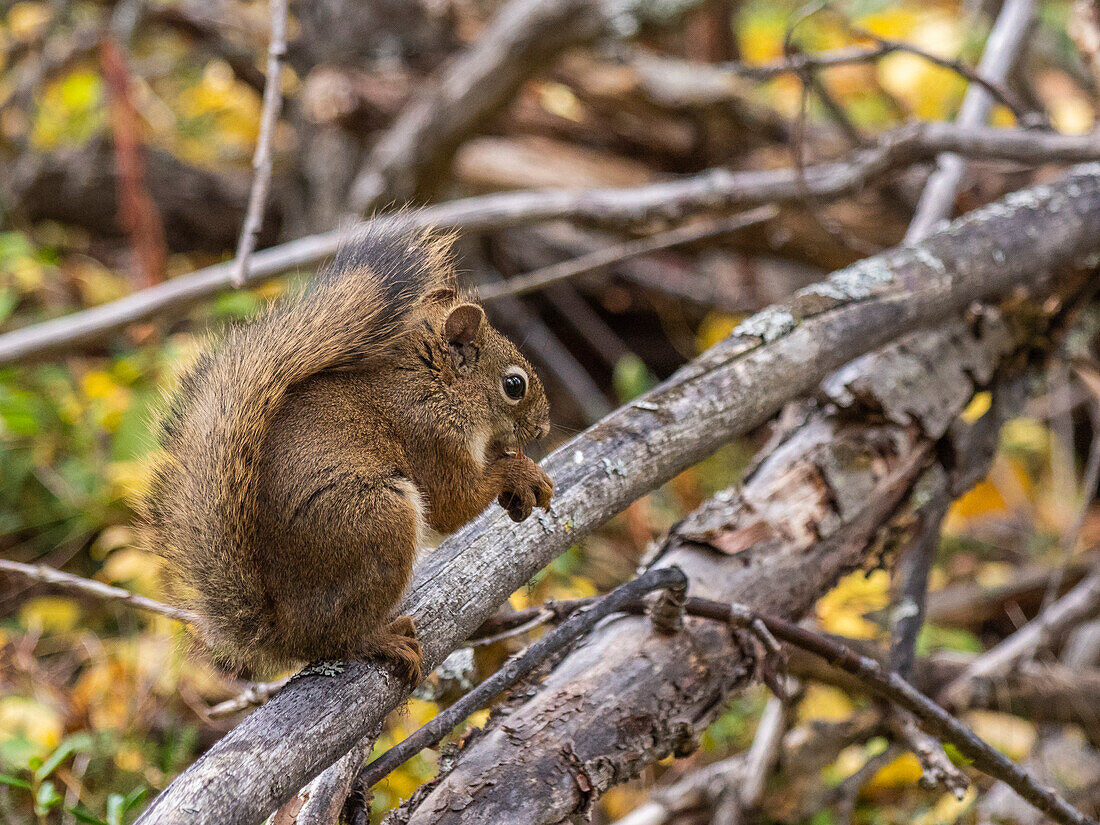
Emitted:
<point x="76" y="585"/>
<point x="717" y="190"/>
<point x="774" y="356"/>
<point x="1005" y="44"/>
<point x="263" y="159"/>
<point x="1076" y="607"/>
<point x="411" y="159"/>
<point x="806" y="514"/>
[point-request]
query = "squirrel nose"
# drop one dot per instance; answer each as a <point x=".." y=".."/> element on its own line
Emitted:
<point x="544" y="430"/>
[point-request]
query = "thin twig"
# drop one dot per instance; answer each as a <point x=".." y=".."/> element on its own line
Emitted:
<point x="1078" y="605"/>
<point x="715" y="190"/>
<point x="665" y="578"/>
<point x="937" y="769"/>
<point x="263" y="159"/>
<point x="254" y="695"/>
<point x="87" y="587"/>
<point x="895" y="689"/>
<point x="993" y="85"/>
<point x="595" y="261"/>
<point x="1001" y="51"/>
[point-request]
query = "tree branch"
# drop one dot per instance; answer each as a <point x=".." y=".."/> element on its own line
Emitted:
<point x="87" y="587"/>
<point x="716" y="190"/>
<point x="1002" y="49"/>
<point x="737" y="385"/>
<point x="1076" y="607"/>
<point x="263" y="160"/>
<point x="805" y="514"/>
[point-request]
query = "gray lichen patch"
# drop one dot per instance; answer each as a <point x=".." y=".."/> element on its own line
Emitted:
<point x="768" y="325"/>
<point x="933" y="262"/>
<point x="855" y="283"/>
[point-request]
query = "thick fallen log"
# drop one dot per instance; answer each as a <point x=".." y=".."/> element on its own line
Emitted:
<point x="808" y="513"/>
<point x="776" y="355"/>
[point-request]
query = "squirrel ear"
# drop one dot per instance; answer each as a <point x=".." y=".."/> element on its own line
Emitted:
<point x="462" y="324"/>
<point x="443" y="295"/>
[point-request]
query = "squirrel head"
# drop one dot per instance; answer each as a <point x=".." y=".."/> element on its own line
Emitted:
<point x="480" y="363"/>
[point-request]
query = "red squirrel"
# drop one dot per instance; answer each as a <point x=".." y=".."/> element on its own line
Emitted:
<point x="305" y="455"/>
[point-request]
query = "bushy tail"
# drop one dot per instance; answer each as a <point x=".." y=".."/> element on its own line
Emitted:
<point x="200" y="511"/>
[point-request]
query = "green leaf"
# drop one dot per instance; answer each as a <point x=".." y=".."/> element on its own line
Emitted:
<point x="14" y="781"/>
<point x="631" y="377"/>
<point x="8" y="300"/>
<point x="46" y="798"/>
<point x="115" y="808"/>
<point x="83" y="815"/>
<point x="63" y="751"/>
<point x="955" y="755"/>
<point x="133" y="798"/>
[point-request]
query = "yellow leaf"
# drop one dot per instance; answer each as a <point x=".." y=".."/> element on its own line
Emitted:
<point x="621" y="800"/>
<point x="27" y="20"/>
<point x="824" y="702"/>
<point x="715" y="327"/>
<point x="995" y="574"/>
<point x="421" y="712"/>
<point x="128" y="479"/>
<point x="558" y="99"/>
<point x="979" y="405"/>
<point x="135" y="568"/>
<point x="894" y="23"/>
<point x="98" y="384"/>
<point x="50" y="614"/>
<point x="948" y="809"/>
<point x="842" y="609"/>
<point x="110" y="539"/>
<point x="37" y="723"/>
<point x="903" y="772"/>
<point x="1026" y="435"/>
<point x="761" y="37"/>
<point x="129" y="759"/>
<point x="1011" y="735"/>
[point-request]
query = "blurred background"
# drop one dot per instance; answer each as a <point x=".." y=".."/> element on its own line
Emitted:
<point x="127" y="132"/>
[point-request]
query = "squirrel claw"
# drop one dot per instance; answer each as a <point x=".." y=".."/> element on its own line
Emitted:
<point x="527" y="488"/>
<point x="398" y="644"/>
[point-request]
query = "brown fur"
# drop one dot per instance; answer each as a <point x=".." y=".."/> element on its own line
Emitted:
<point x="304" y="456"/>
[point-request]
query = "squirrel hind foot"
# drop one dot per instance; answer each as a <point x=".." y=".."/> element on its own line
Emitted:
<point x="398" y="644"/>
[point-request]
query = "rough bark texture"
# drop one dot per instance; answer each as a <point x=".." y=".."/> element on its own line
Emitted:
<point x="774" y="356"/>
<point x="804" y="516"/>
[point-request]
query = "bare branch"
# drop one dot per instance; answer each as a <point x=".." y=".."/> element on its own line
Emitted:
<point x="554" y="642"/>
<point x="87" y="587"/>
<point x="934" y="718"/>
<point x="263" y="159"/>
<point x="774" y="356"/>
<point x="595" y="261"/>
<point x="412" y="157"/>
<point x="716" y="190"/>
<point x="1001" y="51"/>
<point x="1076" y="607"/>
<point x="253" y="696"/>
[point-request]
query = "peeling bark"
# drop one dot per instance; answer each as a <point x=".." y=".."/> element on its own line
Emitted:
<point x="777" y="355"/>
<point x="806" y="514"/>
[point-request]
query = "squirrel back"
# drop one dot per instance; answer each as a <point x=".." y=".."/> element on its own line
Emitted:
<point x="200" y="511"/>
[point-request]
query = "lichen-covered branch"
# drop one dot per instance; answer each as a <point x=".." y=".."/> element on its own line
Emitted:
<point x="807" y="513"/>
<point x="735" y="386"/>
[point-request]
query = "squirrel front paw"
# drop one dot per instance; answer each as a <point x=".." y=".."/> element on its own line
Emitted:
<point x="525" y="487"/>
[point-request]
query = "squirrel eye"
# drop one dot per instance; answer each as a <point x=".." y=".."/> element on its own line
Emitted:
<point x="514" y="385"/>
